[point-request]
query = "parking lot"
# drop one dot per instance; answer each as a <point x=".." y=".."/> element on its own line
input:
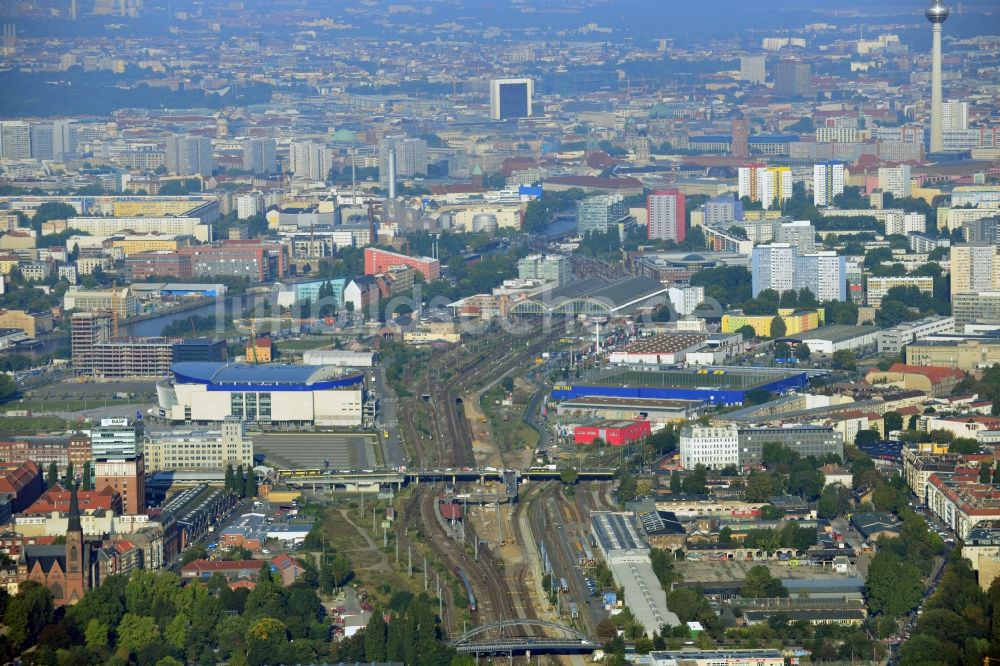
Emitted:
<point x="339" y="451"/>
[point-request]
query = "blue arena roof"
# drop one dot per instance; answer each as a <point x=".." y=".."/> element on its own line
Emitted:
<point x="224" y="376"/>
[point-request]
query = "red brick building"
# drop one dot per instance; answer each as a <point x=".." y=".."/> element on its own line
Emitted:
<point x="23" y="482"/>
<point x="67" y="570"/>
<point x="380" y="261"/>
<point x="160" y="263"/>
<point x="57" y="499"/>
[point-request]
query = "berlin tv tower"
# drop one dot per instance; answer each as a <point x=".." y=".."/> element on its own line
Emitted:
<point x="936" y="13"/>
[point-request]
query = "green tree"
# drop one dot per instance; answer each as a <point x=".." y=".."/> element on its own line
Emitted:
<point x="96" y="635"/>
<point x="568" y="476"/>
<point x="841" y="312"/>
<point x="921" y="649"/>
<point x="52" y="476"/>
<point x="341" y="569"/>
<point x="86" y="482"/>
<point x="760" y="583"/>
<point x="844" y="359"/>
<point x="16" y="620"/>
<point x="239" y="481"/>
<point x="892" y="421"/>
<point x="8" y="387"/>
<point x="51" y="210"/>
<point x="70" y="479"/>
<point x="375" y="638"/>
<point x="627" y="486"/>
<point x="136" y="632"/>
<point x="866" y="437"/>
<point x="250" y="484"/>
<point x="695" y="483"/>
<point x="834" y="501"/>
<point x="759" y="487"/>
<point x="176" y="632"/>
<point x="230" y="478"/>
<point x="802" y="352"/>
<point x="778" y="327"/>
<point x="782" y="350"/>
<point x="747" y="332"/>
<point x="893" y="586"/>
<point x="984" y="472"/>
<point x="688" y="603"/>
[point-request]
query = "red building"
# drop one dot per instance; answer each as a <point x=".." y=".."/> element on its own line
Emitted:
<point x="23" y="482"/>
<point x="126" y="478"/>
<point x="68" y="570"/>
<point x="261" y="262"/>
<point x="615" y="433"/>
<point x="162" y="263"/>
<point x="57" y="499"/>
<point x="450" y="511"/>
<point x="381" y="261"/>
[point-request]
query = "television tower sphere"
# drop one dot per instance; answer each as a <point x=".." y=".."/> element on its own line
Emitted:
<point x="937" y="12"/>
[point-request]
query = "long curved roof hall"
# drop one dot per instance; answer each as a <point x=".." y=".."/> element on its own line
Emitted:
<point x="594" y="296"/>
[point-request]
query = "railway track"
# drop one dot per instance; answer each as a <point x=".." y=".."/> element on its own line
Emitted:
<point x="412" y="509"/>
<point x="561" y="524"/>
<point x="486" y="576"/>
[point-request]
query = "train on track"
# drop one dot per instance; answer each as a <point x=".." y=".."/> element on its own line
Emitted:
<point x="468" y="590"/>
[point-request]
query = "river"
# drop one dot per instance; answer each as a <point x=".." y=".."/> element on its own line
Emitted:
<point x="223" y="309"/>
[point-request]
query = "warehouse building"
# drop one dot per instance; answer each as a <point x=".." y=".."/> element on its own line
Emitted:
<point x="615" y="433"/>
<point x="836" y="337"/>
<point x="626" y="553"/>
<point x="617" y="409"/>
<point x="715" y="386"/>
<point x="595" y="296"/>
<point x="275" y="395"/>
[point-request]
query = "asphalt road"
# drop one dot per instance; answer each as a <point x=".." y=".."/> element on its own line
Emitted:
<point x="395" y="453"/>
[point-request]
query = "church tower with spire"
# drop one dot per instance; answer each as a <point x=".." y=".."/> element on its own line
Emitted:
<point x="77" y="561"/>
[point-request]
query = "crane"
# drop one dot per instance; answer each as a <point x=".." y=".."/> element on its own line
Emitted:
<point x="253" y="343"/>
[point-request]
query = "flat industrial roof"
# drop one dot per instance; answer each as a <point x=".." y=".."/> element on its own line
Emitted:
<point x="665" y="343"/>
<point x="651" y="403"/>
<point x="835" y="333"/>
<point x="614" y="531"/>
<point x="643" y="593"/>
<point x="654" y="376"/>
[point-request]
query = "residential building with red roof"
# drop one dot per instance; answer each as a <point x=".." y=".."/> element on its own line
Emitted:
<point x="231" y="569"/>
<point x="57" y="499"/>
<point x="960" y="500"/>
<point x="23" y="482"/>
<point x="287" y="567"/>
<point x="932" y="380"/>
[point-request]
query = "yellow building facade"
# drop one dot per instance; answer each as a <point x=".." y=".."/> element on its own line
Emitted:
<point x="796" y="321"/>
<point x="151" y="243"/>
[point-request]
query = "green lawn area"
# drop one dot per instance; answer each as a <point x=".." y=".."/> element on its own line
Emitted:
<point x="306" y="343"/>
<point x="50" y="405"/>
<point x="32" y="425"/>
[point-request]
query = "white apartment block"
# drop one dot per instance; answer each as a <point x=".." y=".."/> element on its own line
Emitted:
<point x="713" y="447"/>
<point x="895" y="180"/>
